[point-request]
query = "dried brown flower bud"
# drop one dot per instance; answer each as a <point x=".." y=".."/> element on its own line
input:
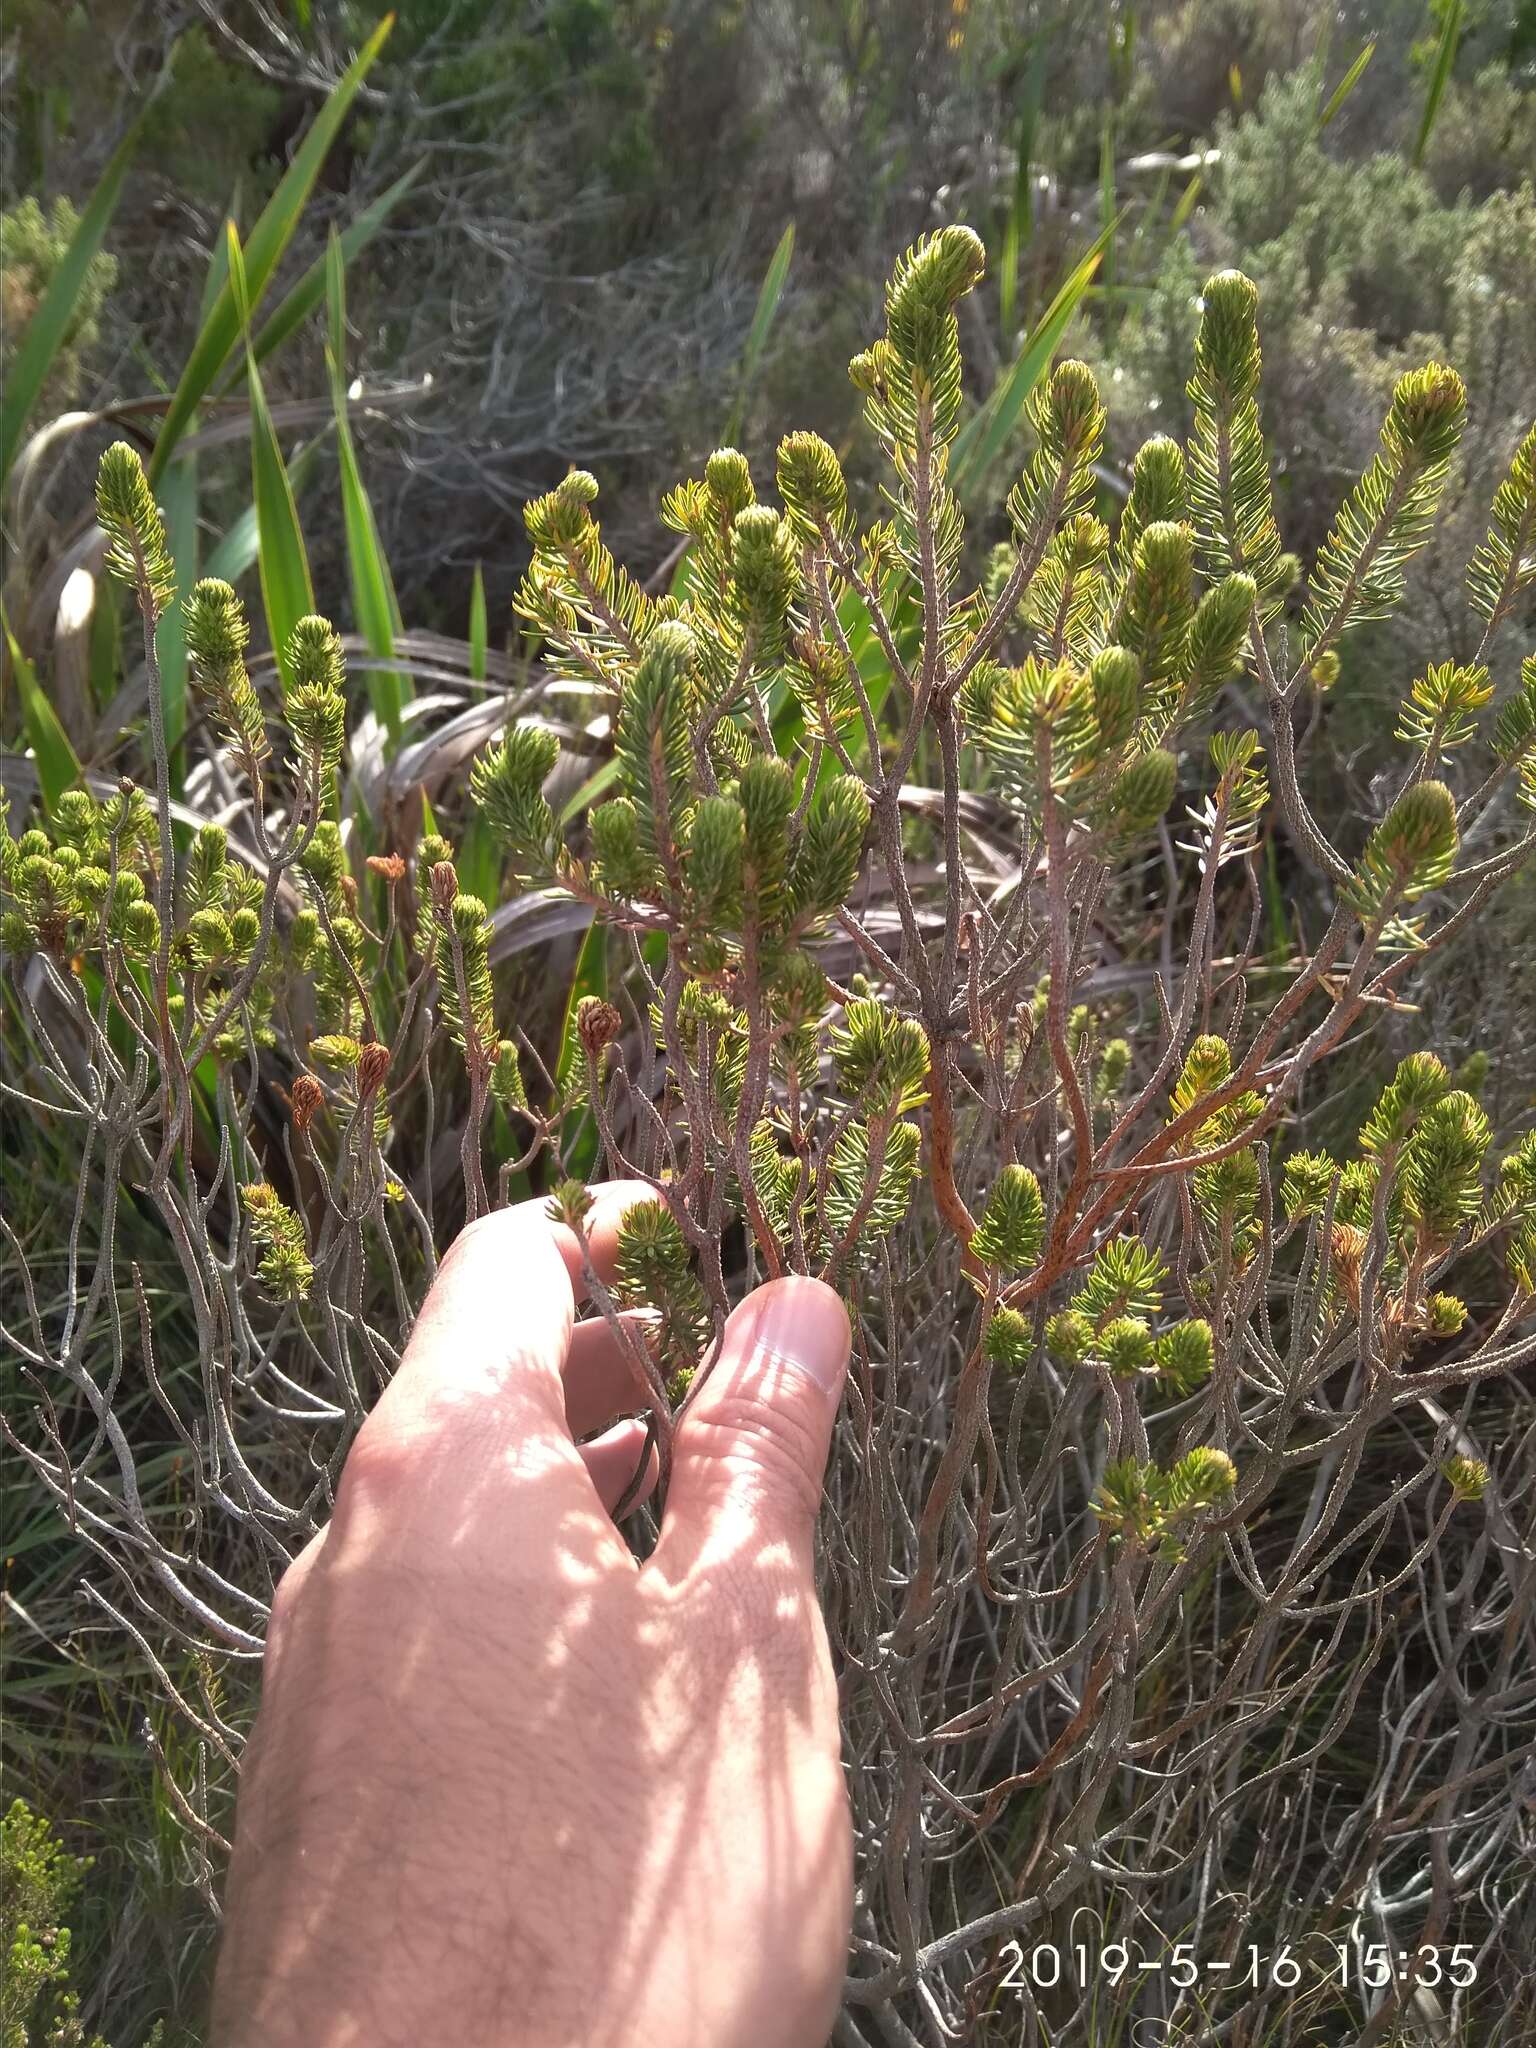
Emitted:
<point x="445" y="889"/>
<point x="597" y="1024"/>
<point x="1395" y="1324"/>
<point x="390" y="865"/>
<point x="349" y="891"/>
<point x="308" y="1099"/>
<point x="1348" y="1256"/>
<point x="372" y="1066"/>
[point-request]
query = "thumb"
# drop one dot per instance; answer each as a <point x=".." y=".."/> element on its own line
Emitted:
<point x="751" y="1449"/>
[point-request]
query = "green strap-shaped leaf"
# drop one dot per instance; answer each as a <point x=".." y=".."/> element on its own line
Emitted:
<point x="307" y="294"/>
<point x="106" y="643"/>
<point x="58" y="768"/>
<point x="373" y="591"/>
<point x="49" y="324"/>
<point x="479" y="629"/>
<point x="762" y="322"/>
<point x="1186" y="205"/>
<point x="597" y="784"/>
<point x="1109" y="213"/>
<point x="178" y="501"/>
<point x="235" y="555"/>
<point x="1021" y="220"/>
<point x="982" y="437"/>
<point x="589" y="979"/>
<point x="221" y="331"/>
<point x="1440" y="76"/>
<point x="287" y="592"/>
<point x="1346" y="85"/>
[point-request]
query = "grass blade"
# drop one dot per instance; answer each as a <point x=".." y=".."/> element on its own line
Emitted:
<point x="597" y="784"/>
<point x="235" y="555"/>
<point x="1186" y="205"/>
<point x="307" y="294"/>
<point x="46" y="329"/>
<point x="1014" y="234"/>
<point x="287" y="593"/>
<point x="1440" y="76"/>
<point x="1020" y="226"/>
<point x="480" y="860"/>
<point x="178" y="501"/>
<point x="216" y="279"/>
<point x="58" y="768"/>
<point x="762" y="322"/>
<point x="789" y="736"/>
<point x="1108" y="213"/>
<point x="589" y="979"/>
<point x="106" y="643"/>
<point x="1346" y="85"/>
<point x="982" y="437"/>
<point x="374" y="603"/>
<point x="221" y="331"/>
<point x="479" y="629"/>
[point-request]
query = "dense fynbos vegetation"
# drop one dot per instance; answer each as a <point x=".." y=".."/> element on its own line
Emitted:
<point x="1112" y="1559"/>
<point x="602" y="238"/>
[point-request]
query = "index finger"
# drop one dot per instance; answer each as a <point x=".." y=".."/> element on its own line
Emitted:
<point x="479" y="1396"/>
<point x="495" y="1328"/>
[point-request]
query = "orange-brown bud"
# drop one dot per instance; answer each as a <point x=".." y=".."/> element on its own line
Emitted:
<point x="372" y="1066"/>
<point x="445" y="889"/>
<point x="597" y="1024"/>
<point x="390" y="866"/>
<point x="308" y="1099"/>
<point x="1349" y="1245"/>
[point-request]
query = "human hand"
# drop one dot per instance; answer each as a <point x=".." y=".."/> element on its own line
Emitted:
<point x="506" y="1787"/>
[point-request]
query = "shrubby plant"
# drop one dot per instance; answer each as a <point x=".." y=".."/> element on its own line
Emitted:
<point x="1367" y="266"/>
<point x="1111" y="1581"/>
<point x="39" y="1881"/>
<point x="33" y="244"/>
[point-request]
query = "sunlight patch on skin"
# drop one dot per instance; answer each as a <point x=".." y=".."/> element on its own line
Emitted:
<point x="530" y="1458"/>
<point x="767" y="1361"/>
<point x="575" y="1618"/>
<point x="733" y="1544"/>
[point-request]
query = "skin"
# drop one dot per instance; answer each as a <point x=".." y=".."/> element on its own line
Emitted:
<point x="508" y="1787"/>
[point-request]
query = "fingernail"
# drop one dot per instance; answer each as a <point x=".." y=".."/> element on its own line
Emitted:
<point x="802" y="1323"/>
